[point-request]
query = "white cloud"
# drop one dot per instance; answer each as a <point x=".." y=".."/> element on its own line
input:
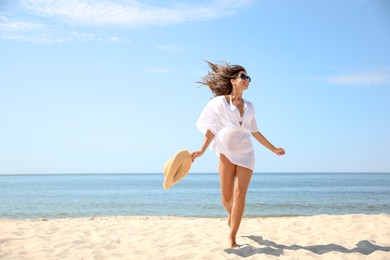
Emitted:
<point x="130" y="13"/>
<point x="59" y="21"/>
<point x="114" y="39"/>
<point x="365" y="78"/>
<point x="89" y="37"/>
<point x="374" y="77"/>
<point x="25" y="31"/>
<point x="160" y="70"/>
<point x="8" y="25"/>
<point x="40" y="34"/>
<point x="170" y="48"/>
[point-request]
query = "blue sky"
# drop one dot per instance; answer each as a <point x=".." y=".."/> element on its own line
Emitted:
<point x="98" y="86"/>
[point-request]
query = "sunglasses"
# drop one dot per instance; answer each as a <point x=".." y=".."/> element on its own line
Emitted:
<point x="244" y="77"/>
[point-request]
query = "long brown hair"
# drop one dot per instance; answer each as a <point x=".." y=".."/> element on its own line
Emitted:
<point x="218" y="79"/>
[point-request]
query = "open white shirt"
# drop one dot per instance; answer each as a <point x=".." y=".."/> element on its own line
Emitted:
<point x="231" y="139"/>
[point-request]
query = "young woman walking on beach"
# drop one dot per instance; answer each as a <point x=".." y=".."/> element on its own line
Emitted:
<point x="227" y="122"/>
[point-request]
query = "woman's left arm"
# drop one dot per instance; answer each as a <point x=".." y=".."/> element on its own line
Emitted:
<point x="261" y="139"/>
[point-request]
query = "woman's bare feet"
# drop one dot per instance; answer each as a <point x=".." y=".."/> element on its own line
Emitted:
<point x="232" y="242"/>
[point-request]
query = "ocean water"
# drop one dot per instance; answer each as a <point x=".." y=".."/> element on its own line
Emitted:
<point x="197" y="195"/>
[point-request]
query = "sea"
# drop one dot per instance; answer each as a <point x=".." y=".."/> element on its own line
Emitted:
<point x="52" y="196"/>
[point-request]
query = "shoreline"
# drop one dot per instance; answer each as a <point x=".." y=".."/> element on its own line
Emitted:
<point x="354" y="236"/>
<point x="186" y="217"/>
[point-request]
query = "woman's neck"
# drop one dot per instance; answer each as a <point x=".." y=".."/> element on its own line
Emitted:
<point x="236" y="95"/>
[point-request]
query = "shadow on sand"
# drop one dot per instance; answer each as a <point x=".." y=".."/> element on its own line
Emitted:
<point x="364" y="247"/>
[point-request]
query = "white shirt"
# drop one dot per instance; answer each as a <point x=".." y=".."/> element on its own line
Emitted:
<point x="231" y="139"/>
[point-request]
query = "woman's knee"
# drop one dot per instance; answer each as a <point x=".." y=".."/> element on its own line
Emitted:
<point x="226" y="199"/>
<point x="239" y="194"/>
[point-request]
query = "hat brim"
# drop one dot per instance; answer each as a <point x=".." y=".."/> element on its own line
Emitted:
<point x="176" y="168"/>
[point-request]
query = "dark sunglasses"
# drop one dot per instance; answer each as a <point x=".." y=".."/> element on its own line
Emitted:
<point x="244" y="77"/>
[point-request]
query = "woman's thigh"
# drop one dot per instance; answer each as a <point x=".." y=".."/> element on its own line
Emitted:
<point x="227" y="173"/>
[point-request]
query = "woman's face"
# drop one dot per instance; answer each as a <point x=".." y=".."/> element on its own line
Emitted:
<point x="242" y="81"/>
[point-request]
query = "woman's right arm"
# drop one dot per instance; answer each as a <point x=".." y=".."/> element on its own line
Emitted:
<point x="208" y="137"/>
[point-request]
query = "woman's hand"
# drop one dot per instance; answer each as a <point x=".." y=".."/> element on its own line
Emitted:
<point x="207" y="140"/>
<point x="196" y="154"/>
<point x="279" y="151"/>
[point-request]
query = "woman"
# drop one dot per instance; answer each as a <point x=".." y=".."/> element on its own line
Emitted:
<point x="227" y="122"/>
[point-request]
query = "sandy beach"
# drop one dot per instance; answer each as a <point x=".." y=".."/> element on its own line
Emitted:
<point x="314" y="237"/>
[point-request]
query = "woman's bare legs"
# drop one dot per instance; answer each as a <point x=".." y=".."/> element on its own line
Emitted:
<point x="243" y="178"/>
<point x="234" y="185"/>
<point x="227" y="172"/>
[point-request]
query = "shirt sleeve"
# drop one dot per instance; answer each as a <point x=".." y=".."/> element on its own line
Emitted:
<point x="209" y="119"/>
<point x="253" y="126"/>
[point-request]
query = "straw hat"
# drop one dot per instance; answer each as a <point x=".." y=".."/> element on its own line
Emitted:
<point x="176" y="168"/>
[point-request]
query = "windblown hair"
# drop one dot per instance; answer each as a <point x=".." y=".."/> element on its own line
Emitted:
<point x="218" y="79"/>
